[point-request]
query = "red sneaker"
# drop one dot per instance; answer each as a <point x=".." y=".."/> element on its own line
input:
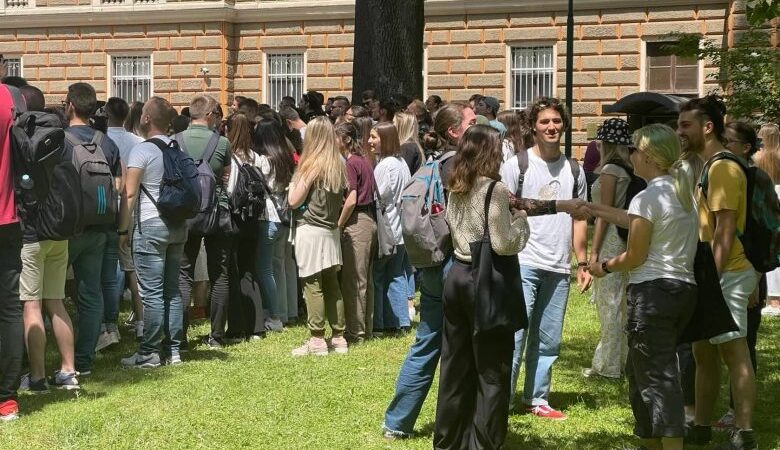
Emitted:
<point x="9" y="410"/>
<point x="546" y="412"/>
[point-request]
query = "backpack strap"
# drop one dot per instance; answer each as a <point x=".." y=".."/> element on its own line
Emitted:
<point x="211" y="147"/>
<point x="72" y="138"/>
<point x="522" y="164"/>
<point x="704" y="178"/>
<point x="575" y="172"/>
<point x="487" y="207"/>
<point x="98" y="137"/>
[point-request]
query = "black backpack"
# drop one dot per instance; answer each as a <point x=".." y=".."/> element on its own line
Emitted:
<point x="635" y="186"/>
<point x="207" y="220"/>
<point x="179" y="197"/>
<point x="248" y="200"/>
<point x="99" y="203"/>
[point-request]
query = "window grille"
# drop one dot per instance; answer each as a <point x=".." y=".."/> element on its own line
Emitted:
<point x="131" y="78"/>
<point x="532" y="72"/>
<point x="284" y="77"/>
<point x="14" y="67"/>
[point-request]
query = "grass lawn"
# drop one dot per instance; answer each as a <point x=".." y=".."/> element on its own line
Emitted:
<point x="255" y="395"/>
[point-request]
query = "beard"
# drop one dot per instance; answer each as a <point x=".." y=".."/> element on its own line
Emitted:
<point x="144" y="129"/>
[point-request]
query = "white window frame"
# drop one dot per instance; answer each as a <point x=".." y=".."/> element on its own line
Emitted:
<point x="425" y="71"/>
<point x="16" y="59"/>
<point x="110" y="70"/>
<point x="267" y="55"/>
<point x="510" y="46"/>
<point x="643" y="65"/>
<point x="4" y="5"/>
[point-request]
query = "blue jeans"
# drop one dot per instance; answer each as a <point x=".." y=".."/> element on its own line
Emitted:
<point x="157" y="253"/>
<point x="110" y="278"/>
<point x="546" y="296"/>
<point x="85" y="254"/>
<point x="391" y="291"/>
<point x="268" y="236"/>
<point x="419" y="368"/>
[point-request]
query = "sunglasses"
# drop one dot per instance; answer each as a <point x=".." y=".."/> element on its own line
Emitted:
<point x="632" y="149"/>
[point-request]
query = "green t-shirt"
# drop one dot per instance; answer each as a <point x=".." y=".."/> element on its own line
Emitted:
<point x="195" y="139"/>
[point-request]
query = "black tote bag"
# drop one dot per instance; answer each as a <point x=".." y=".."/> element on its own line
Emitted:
<point x="712" y="316"/>
<point x="499" y="305"/>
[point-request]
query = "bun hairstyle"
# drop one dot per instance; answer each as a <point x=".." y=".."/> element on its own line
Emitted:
<point x="708" y="109"/>
<point x="448" y="116"/>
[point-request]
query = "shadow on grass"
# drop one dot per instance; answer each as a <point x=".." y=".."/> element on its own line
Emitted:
<point x="32" y="404"/>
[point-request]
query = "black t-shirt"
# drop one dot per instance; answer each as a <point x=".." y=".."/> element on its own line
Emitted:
<point x="411" y="154"/>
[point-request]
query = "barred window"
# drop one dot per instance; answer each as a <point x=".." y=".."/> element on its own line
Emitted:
<point x="14" y="67"/>
<point x="131" y="78"/>
<point x="284" y="77"/>
<point x="532" y="72"/>
<point x="668" y="73"/>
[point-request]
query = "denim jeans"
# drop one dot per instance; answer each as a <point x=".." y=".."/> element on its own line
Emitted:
<point x="546" y="296"/>
<point x="268" y="237"/>
<point x="419" y="367"/>
<point x="110" y="279"/>
<point x="391" y="291"/>
<point x="11" y="329"/>
<point x="85" y="254"/>
<point x="157" y="252"/>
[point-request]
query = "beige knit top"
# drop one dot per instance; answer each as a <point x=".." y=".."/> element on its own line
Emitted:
<point x="466" y="217"/>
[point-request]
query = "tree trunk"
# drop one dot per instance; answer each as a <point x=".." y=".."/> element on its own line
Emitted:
<point x="388" y="48"/>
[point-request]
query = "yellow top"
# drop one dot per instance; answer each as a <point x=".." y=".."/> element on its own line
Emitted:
<point x="726" y="190"/>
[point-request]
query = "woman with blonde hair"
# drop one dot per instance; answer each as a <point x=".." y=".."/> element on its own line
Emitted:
<point x="316" y="196"/>
<point x="768" y="160"/>
<point x="610" y="189"/>
<point x="411" y="151"/>
<point x="662" y="241"/>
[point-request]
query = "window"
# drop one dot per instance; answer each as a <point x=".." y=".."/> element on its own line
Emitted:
<point x="531" y="74"/>
<point x="131" y="78"/>
<point x="14" y="67"/>
<point x="668" y="73"/>
<point x="284" y="77"/>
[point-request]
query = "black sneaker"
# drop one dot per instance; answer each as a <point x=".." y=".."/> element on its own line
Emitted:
<point x="740" y="440"/>
<point x="697" y="434"/>
<point x="212" y="343"/>
<point x="35" y="387"/>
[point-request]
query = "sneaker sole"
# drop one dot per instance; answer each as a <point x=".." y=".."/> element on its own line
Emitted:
<point x="341" y="351"/>
<point x="9" y="417"/>
<point x="67" y="387"/>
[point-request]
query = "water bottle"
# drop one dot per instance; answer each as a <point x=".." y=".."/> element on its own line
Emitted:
<point x="27" y="182"/>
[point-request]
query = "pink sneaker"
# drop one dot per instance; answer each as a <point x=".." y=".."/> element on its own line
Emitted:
<point x="314" y="346"/>
<point x="339" y="344"/>
<point x="546" y="412"/>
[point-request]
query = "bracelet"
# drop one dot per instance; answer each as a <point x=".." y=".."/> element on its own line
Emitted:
<point x="582" y="264"/>
<point x="604" y="267"/>
<point x="121" y="233"/>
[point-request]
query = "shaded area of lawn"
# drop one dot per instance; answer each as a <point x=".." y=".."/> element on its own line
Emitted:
<point x="254" y="395"/>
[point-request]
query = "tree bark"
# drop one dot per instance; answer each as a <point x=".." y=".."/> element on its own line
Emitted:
<point x="388" y="48"/>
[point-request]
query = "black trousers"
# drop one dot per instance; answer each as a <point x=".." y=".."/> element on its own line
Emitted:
<point x="11" y="328"/>
<point x="245" y="310"/>
<point x="218" y="249"/>
<point x="472" y="411"/>
<point x="658" y="312"/>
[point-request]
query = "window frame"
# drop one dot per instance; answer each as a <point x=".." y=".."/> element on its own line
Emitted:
<point x="110" y="71"/>
<point x="644" y="67"/>
<point x="510" y="70"/>
<point x="19" y="59"/>
<point x="266" y="76"/>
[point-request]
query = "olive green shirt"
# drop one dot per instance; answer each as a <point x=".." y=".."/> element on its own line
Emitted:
<point x="322" y="208"/>
<point x="196" y="137"/>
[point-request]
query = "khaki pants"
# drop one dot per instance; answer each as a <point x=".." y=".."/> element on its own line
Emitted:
<point x="358" y="249"/>
<point x="323" y="297"/>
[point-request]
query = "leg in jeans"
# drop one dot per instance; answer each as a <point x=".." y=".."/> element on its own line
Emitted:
<point x="419" y="368"/>
<point x="334" y="303"/>
<point x="11" y="327"/>
<point x="264" y="271"/>
<point x="218" y="248"/>
<point x="315" y="304"/>
<point x="394" y="285"/>
<point x="173" y="320"/>
<point x="110" y="281"/>
<point x="186" y="276"/>
<point x="150" y="249"/>
<point x="546" y="295"/>
<point x="86" y="256"/>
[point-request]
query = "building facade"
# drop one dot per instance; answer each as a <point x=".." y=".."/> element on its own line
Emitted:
<point x="514" y="50"/>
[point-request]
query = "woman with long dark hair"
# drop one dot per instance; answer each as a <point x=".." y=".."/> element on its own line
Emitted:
<point x="274" y="264"/>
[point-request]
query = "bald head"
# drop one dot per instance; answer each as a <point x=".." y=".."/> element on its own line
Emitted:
<point x="157" y="116"/>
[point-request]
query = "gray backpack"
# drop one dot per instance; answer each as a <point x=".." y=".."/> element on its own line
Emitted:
<point x="423" y="224"/>
<point x="99" y="202"/>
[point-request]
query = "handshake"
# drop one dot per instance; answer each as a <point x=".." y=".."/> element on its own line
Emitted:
<point x="577" y="208"/>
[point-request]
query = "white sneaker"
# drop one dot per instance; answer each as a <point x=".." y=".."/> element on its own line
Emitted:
<point x="727" y="421"/>
<point x="273" y="324"/>
<point x="412" y="313"/>
<point x="770" y="311"/>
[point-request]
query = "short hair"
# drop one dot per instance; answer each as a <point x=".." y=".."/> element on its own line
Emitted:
<point x="185" y="111"/>
<point x="391" y="106"/>
<point x="14" y="81"/>
<point x="289" y="113"/>
<point x="180" y="123"/>
<point x="287" y="101"/>
<point x="239" y="99"/>
<point x="553" y="103"/>
<point x="343" y="99"/>
<point x="249" y="106"/>
<point x="33" y="97"/>
<point x="708" y="109"/>
<point x="201" y="106"/>
<point x="160" y="112"/>
<point x="117" y="109"/>
<point x="358" y="111"/>
<point x="746" y="133"/>
<point x="368" y="94"/>
<point x="83" y="98"/>
<point x="436" y="99"/>
<point x="475" y="98"/>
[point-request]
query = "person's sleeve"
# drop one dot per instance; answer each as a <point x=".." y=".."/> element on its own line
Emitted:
<point x="508" y="233"/>
<point x="352" y="177"/>
<point x="726" y="186"/>
<point x="510" y="172"/>
<point x="265" y="165"/>
<point x="640" y="206"/>
<point x="227" y="154"/>
<point x="138" y="157"/>
<point x="384" y="184"/>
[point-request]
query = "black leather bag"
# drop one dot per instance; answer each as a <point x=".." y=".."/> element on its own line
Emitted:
<point x="499" y="305"/>
<point x="712" y="316"/>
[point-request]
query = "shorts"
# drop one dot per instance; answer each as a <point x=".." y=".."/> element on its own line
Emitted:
<point x="126" y="257"/>
<point x="201" y="266"/>
<point x="44" y="267"/>
<point x="737" y="287"/>
<point x="773" y="283"/>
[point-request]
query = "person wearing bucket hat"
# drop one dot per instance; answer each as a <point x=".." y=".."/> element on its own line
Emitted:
<point x="610" y="189"/>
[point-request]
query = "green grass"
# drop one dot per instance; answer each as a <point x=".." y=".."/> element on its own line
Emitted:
<point x="255" y="395"/>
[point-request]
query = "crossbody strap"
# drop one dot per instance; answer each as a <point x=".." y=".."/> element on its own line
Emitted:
<point x="488" y="196"/>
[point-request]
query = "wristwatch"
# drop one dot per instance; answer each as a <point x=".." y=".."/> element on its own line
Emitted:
<point x="604" y="267"/>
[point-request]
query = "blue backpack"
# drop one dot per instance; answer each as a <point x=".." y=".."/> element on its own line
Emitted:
<point x="179" y="197"/>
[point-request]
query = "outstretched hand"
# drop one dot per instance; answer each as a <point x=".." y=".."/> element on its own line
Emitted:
<point x="577" y="208"/>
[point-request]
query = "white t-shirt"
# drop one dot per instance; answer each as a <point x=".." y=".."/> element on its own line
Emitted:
<point x="124" y="140"/>
<point x="392" y="175"/>
<point x="675" y="233"/>
<point x="549" y="247"/>
<point x="148" y="157"/>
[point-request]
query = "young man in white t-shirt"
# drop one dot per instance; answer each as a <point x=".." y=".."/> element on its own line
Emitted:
<point x="546" y="260"/>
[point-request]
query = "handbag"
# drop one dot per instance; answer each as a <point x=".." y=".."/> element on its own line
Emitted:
<point x="711" y="316"/>
<point x="499" y="304"/>
<point x="384" y="232"/>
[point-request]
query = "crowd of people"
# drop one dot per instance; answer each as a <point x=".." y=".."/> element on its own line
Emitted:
<point x="310" y="200"/>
